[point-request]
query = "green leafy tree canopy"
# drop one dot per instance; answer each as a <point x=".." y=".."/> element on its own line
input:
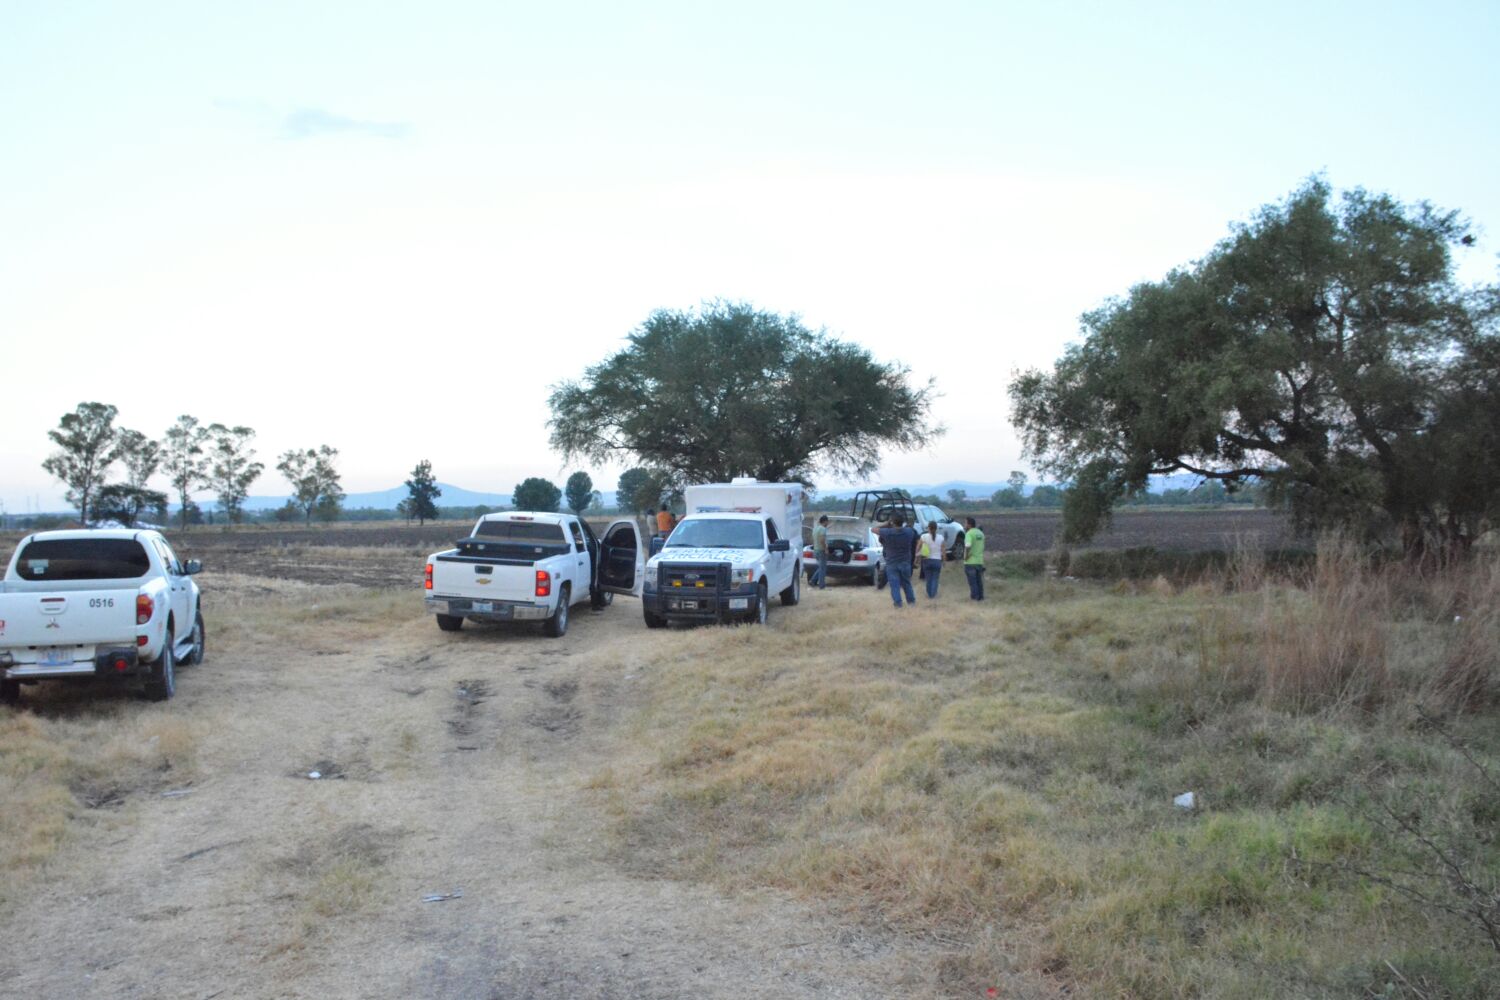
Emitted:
<point x="1324" y="350"/>
<point x="730" y="390"/>
<point x="421" y="492"/>
<point x="184" y="461"/>
<point x="315" y="481"/>
<point x="88" y="444"/>
<point x="639" y="490"/>
<point x="536" y="494"/>
<point x="580" y="492"/>
<point x="232" y="467"/>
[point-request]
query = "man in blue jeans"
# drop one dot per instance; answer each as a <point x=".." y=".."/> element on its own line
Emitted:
<point x="974" y="560"/>
<point x="898" y="543"/>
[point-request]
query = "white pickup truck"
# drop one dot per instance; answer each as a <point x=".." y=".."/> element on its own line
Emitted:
<point x="736" y="546"/>
<point x="92" y="605"/>
<point x="532" y="566"/>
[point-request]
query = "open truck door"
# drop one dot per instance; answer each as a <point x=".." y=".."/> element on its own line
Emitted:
<point x="622" y="558"/>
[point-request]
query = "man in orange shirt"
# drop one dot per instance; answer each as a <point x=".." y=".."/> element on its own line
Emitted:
<point x="665" y="522"/>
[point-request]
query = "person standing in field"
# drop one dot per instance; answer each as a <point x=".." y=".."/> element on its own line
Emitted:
<point x="930" y="551"/>
<point x="820" y="549"/>
<point x="974" y="559"/>
<point x="665" y="522"/>
<point x="899" y="545"/>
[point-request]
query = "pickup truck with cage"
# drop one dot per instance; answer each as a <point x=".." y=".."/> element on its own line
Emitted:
<point x="854" y="547"/>
<point x="98" y="605"/>
<point x="532" y="566"/>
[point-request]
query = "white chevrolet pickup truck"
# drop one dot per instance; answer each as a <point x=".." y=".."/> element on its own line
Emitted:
<point x="99" y="604"/>
<point x="532" y="566"/>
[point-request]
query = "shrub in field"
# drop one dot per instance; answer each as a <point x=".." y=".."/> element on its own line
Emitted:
<point x="1327" y="646"/>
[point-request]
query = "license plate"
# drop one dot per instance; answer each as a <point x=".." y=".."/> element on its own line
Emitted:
<point x="482" y="607"/>
<point x="739" y="603"/>
<point x="55" y="656"/>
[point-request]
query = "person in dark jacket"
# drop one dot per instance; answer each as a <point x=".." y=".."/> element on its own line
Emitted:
<point x="898" y="543"/>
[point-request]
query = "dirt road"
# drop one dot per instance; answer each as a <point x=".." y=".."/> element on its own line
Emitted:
<point x="447" y="763"/>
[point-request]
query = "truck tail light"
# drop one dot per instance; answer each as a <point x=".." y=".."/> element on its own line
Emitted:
<point x="543" y="583"/>
<point x="861" y="557"/>
<point x="140" y="640"/>
<point x="427" y="583"/>
<point x="807" y="553"/>
<point x="144" y="608"/>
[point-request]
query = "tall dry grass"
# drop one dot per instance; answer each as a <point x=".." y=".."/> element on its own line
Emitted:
<point x="1357" y="632"/>
<point x="1000" y="777"/>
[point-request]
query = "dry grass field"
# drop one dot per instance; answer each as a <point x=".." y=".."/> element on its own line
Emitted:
<point x="939" y="802"/>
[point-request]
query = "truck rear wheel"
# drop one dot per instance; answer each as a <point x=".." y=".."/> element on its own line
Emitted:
<point x="557" y="625"/>
<point x="450" y="623"/>
<point x="162" y="684"/>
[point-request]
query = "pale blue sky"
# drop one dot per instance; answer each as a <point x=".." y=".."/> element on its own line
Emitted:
<point x="388" y="227"/>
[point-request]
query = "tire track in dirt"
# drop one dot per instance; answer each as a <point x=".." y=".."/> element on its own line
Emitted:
<point x="446" y="761"/>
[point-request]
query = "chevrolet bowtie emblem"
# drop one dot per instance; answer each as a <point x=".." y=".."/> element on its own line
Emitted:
<point x="484" y="581"/>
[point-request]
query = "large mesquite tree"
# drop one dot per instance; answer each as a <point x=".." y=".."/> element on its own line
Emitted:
<point x="1324" y="349"/>
<point x="729" y="390"/>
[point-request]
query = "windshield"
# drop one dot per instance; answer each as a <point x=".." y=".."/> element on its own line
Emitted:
<point x="83" y="559"/>
<point x="713" y="533"/>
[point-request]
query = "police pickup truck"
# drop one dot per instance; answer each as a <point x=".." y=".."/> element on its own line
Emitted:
<point x="98" y="604"/>
<point x="532" y="566"/>
<point x="736" y="546"/>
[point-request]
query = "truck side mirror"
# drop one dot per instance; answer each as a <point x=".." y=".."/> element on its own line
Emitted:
<point x="191" y="566"/>
<point x="781" y="545"/>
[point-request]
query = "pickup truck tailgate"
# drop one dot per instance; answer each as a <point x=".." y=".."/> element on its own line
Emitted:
<point x="483" y="579"/>
<point x="70" y="617"/>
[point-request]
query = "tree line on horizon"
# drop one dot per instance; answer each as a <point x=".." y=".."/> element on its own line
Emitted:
<point x="192" y="457"/>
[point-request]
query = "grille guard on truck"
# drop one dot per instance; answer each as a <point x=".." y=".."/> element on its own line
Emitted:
<point x="709" y="585"/>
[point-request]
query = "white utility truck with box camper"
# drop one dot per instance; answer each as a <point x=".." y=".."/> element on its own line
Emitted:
<point x="736" y="547"/>
<point x="96" y="605"/>
<point x="532" y="566"/>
